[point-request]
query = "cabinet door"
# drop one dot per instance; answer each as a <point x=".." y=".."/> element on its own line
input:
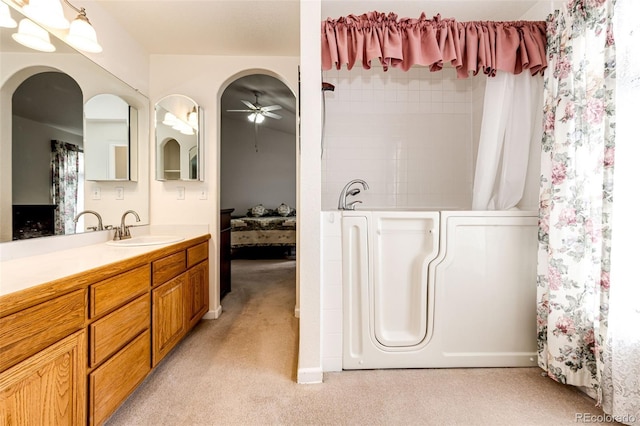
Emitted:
<point x="198" y="294"/>
<point x="169" y="316"/>
<point x="48" y="388"/>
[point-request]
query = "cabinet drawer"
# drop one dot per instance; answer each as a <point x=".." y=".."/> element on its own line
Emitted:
<point x="109" y="334"/>
<point x="26" y="332"/>
<point x="113" y="381"/>
<point x="113" y="292"/>
<point x="168" y="267"/>
<point x="197" y="254"/>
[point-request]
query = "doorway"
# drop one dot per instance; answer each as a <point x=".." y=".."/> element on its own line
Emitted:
<point x="258" y="170"/>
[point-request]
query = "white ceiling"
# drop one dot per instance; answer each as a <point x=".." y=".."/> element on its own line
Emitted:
<point x="268" y="27"/>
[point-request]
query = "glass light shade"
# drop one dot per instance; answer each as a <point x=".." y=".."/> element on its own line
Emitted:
<point x="169" y="119"/>
<point x="47" y="12"/>
<point x="192" y="118"/>
<point x="33" y="36"/>
<point x="258" y="118"/>
<point x="82" y="36"/>
<point x="6" y="20"/>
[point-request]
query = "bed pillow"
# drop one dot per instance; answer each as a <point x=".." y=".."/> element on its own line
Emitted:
<point x="283" y="210"/>
<point x="258" y="211"/>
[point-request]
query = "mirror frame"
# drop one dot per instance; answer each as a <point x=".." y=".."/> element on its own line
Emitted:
<point x="185" y="166"/>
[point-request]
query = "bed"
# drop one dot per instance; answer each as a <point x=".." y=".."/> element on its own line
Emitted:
<point x="264" y="231"/>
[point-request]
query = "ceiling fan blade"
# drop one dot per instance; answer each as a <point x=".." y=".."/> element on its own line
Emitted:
<point x="249" y="104"/>
<point x="271" y="108"/>
<point x="270" y="114"/>
<point x="241" y="110"/>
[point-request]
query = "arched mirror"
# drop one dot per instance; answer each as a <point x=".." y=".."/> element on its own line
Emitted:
<point x="111" y="138"/>
<point x="178" y="139"/>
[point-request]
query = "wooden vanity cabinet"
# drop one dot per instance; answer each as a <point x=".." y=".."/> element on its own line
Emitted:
<point x="74" y="357"/>
<point x="119" y="339"/>
<point x="43" y="362"/>
<point x="180" y="298"/>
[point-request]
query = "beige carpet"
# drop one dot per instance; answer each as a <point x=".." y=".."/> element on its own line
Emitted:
<point x="240" y="370"/>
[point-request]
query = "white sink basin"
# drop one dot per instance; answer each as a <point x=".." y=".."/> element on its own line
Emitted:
<point x="146" y="240"/>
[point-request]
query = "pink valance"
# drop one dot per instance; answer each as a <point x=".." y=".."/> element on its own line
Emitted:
<point x="469" y="46"/>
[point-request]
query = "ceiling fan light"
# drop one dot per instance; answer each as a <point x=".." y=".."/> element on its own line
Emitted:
<point x="47" y="12"/>
<point x="259" y="118"/>
<point x="32" y="36"/>
<point x="82" y="35"/>
<point x="6" y="21"/>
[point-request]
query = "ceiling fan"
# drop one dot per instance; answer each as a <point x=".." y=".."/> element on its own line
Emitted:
<point x="257" y="111"/>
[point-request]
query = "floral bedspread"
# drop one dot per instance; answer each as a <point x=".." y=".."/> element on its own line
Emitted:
<point x="263" y="231"/>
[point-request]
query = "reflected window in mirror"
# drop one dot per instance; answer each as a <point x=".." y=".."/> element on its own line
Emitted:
<point x="109" y="138"/>
<point x="179" y="145"/>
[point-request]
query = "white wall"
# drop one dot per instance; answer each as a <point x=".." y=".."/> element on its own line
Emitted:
<point x="408" y="134"/>
<point x="247" y="177"/>
<point x="204" y="78"/>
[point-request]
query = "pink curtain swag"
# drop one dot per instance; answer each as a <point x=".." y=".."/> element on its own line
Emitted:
<point x="470" y="47"/>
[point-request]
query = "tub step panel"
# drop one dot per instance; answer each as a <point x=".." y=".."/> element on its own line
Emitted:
<point x="403" y="248"/>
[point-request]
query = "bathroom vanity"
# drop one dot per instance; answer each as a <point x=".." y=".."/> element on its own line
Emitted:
<point x="73" y="348"/>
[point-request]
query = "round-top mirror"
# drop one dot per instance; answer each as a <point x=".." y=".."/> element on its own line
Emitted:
<point x="178" y="139"/>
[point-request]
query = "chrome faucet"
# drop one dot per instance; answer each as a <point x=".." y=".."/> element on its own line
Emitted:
<point x="122" y="232"/>
<point x="346" y="191"/>
<point x="99" y="228"/>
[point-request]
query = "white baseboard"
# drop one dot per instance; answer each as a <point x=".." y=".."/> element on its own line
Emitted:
<point x="213" y="314"/>
<point x="308" y="376"/>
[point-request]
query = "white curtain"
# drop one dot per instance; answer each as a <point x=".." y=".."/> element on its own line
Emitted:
<point x="512" y="118"/>
<point x="621" y="377"/>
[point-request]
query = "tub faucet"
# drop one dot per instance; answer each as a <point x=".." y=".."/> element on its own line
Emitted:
<point x="122" y="232"/>
<point x="346" y="191"/>
<point x="99" y="228"/>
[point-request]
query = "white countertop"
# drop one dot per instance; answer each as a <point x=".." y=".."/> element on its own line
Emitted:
<point x="25" y="272"/>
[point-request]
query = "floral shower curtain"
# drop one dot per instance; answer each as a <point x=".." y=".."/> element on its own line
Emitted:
<point x="576" y="193"/>
<point x="586" y="314"/>
<point x="64" y="188"/>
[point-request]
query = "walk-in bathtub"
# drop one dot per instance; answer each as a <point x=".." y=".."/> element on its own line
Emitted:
<point x="437" y="288"/>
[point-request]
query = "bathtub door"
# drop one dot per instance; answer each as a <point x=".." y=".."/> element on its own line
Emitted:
<point x="403" y="246"/>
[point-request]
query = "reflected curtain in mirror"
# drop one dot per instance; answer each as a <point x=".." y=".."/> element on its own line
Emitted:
<point x="66" y="162"/>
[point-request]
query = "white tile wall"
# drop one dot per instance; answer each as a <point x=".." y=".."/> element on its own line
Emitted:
<point x="331" y="292"/>
<point x="408" y="134"/>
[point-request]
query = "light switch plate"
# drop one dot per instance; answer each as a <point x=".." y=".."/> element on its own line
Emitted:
<point x="181" y="193"/>
<point x="203" y="194"/>
<point x="95" y="193"/>
<point x="119" y="193"/>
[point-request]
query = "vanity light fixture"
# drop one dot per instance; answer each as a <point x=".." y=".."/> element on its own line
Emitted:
<point x="6" y="21"/>
<point x="80" y="35"/>
<point x="177" y="124"/>
<point x="33" y="36"/>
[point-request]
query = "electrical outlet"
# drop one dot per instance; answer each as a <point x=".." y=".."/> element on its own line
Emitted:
<point x="181" y="193"/>
<point x="203" y="194"/>
<point x="95" y="193"/>
<point x="119" y="193"/>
